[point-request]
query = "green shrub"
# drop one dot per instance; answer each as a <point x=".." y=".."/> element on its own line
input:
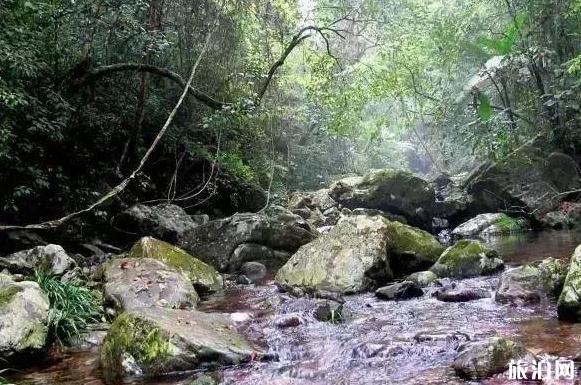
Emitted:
<point x="73" y="307"/>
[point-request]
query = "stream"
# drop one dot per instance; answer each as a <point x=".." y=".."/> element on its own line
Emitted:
<point x="410" y="342"/>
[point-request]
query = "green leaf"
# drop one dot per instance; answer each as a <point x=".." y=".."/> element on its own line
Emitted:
<point x="484" y="108"/>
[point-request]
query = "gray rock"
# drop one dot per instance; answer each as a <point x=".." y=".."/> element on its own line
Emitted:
<point x="50" y="258"/>
<point x="23" y="317"/>
<point x="162" y="341"/>
<point x="482" y="359"/>
<point x="254" y="271"/>
<point x="328" y="311"/>
<point x="461" y="295"/>
<point x="167" y="222"/>
<point x="399" y="291"/>
<point x="392" y="191"/>
<point x="216" y="241"/>
<point x="467" y="258"/>
<point x="569" y="304"/>
<point x="477" y="225"/>
<point x="132" y="283"/>
<point x="531" y="283"/>
<point x="287" y="321"/>
<point x="247" y="252"/>
<point x="351" y="258"/>
<point x="422" y="278"/>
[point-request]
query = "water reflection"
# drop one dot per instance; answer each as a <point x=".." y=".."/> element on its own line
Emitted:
<point x="533" y="246"/>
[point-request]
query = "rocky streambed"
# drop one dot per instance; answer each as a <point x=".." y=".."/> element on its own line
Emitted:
<point x="371" y="342"/>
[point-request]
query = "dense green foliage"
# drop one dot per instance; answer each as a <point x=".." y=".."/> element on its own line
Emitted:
<point x="73" y="307"/>
<point x="433" y="86"/>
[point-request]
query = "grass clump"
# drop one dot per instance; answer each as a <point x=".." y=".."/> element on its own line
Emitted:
<point x="511" y="225"/>
<point x="73" y="307"/>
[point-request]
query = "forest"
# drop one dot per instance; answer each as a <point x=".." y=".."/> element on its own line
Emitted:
<point x="301" y="192"/>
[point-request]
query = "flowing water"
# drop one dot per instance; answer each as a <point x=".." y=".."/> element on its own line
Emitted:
<point x="410" y="342"/>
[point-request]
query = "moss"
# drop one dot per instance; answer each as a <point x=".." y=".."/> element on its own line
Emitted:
<point x="146" y="343"/>
<point x="203" y="276"/>
<point x="35" y="339"/>
<point x="406" y="238"/>
<point x="7" y="293"/>
<point x="464" y="251"/>
<point x="467" y="258"/>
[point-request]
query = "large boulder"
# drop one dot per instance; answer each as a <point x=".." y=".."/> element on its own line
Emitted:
<point x="569" y="305"/>
<point x="216" y="241"/>
<point x="156" y="341"/>
<point x="482" y="359"/>
<point x="23" y="317"/>
<point x="316" y="207"/>
<point x="392" y="191"/>
<point x="531" y="283"/>
<point x="203" y="276"/>
<point x="351" y="258"/>
<point x="467" y="258"/>
<point x="411" y="249"/>
<point x="132" y="283"/>
<point x="165" y="221"/>
<point x="529" y="180"/>
<point x="50" y="258"/>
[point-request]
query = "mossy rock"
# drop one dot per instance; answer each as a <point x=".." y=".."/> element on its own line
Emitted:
<point x="482" y="359"/>
<point x="422" y="278"/>
<point x="23" y="317"/>
<point x="158" y="341"/>
<point x="467" y="258"/>
<point x="569" y="304"/>
<point x="411" y="249"/>
<point x="203" y="276"/>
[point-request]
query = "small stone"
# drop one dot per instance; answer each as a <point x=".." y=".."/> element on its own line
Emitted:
<point x="461" y="295"/>
<point x="287" y="321"/>
<point x="399" y="291"/>
<point x="328" y="311"/>
<point x="243" y="280"/>
<point x="254" y="271"/>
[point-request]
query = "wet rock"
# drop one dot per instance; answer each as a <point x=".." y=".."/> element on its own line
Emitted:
<point x="161" y="341"/>
<point x="50" y="258"/>
<point x="23" y="317"/>
<point x="203" y="276"/>
<point x="392" y="191"/>
<point x="351" y="258"/>
<point x="254" y="271"/>
<point x="422" y="278"/>
<point x="373" y="212"/>
<point x="243" y="280"/>
<point x="461" y="295"/>
<point x="482" y="359"/>
<point x="531" y="283"/>
<point x="467" y="258"/>
<point x="204" y="379"/>
<point x="476" y="225"/>
<point x="411" y="249"/>
<point x="166" y="221"/>
<point x="328" y="311"/>
<point x="216" y="241"/>
<point x="132" y="283"/>
<point x="569" y="304"/>
<point x="287" y="321"/>
<point x="247" y="252"/>
<point x="399" y="291"/>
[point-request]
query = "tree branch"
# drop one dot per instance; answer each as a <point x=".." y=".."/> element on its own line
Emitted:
<point x="97" y="73"/>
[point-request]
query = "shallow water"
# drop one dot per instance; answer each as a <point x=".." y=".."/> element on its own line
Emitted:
<point x="410" y="342"/>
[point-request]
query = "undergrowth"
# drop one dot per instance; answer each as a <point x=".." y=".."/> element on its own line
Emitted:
<point x="73" y="307"/>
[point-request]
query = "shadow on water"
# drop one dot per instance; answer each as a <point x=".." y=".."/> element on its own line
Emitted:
<point x="409" y="342"/>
